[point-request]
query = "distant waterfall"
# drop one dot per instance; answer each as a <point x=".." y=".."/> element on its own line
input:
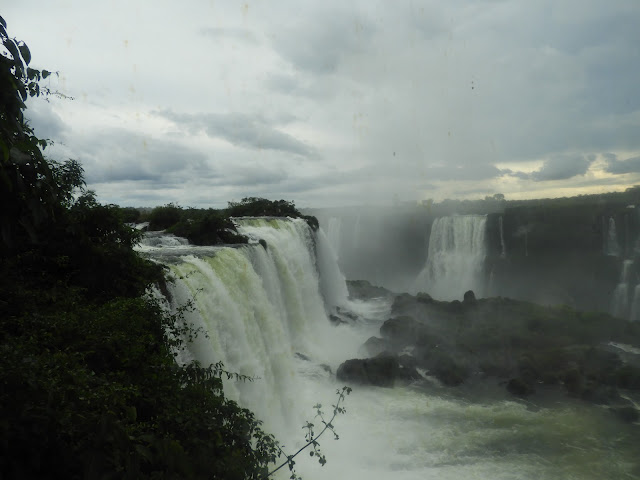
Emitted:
<point x="455" y="259"/>
<point x="334" y="233"/>
<point x="333" y="284"/>
<point x="612" y="247"/>
<point x="634" y="316"/>
<point x="503" y="252"/>
<point x="620" y="302"/>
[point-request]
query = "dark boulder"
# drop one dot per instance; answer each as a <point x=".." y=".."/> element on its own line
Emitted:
<point x="423" y="297"/>
<point x="450" y="371"/>
<point x="407" y="361"/>
<point x="469" y="297"/>
<point x="380" y="371"/>
<point x="403" y="331"/>
<point x="375" y="346"/>
<point x="336" y="320"/>
<point x="520" y="388"/>
<point x="364" y="289"/>
<point x="402" y="301"/>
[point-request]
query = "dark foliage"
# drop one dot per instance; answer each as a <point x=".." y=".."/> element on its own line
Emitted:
<point x="214" y="227"/>
<point x="261" y="207"/>
<point x="89" y="387"/>
<point x="164" y="217"/>
<point x="207" y="227"/>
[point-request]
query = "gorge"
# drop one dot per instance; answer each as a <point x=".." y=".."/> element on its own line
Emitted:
<point x="278" y="309"/>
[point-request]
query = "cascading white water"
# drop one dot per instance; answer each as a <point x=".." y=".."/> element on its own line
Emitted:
<point x="260" y="306"/>
<point x="334" y="233"/>
<point x="634" y="316"/>
<point x="503" y="248"/>
<point x="620" y="302"/>
<point x="612" y="246"/>
<point x="455" y="258"/>
<point x="333" y="285"/>
<point x="161" y="239"/>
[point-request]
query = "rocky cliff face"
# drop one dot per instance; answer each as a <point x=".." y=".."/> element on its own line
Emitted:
<point x="523" y="346"/>
<point x="560" y="251"/>
<point x="562" y="254"/>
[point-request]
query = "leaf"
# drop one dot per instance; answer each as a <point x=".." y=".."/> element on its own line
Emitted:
<point x="2" y="22"/>
<point x="45" y="74"/>
<point x="26" y="54"/>
<point x="13" y="50"/>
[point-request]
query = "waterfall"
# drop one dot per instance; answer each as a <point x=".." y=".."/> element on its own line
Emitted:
<point x="333" y="285"/>
<point x="503" y="252"/>
<point x="612" y="247"/>
<point x="334" y="233"/>
<point x="264" y="313"/>
<point x="620" y="302"/>
<point x="634" y="316"/>
<point x="356" y="240"/>
<point x="455" y="258"/>
<point x="259" y="307"/>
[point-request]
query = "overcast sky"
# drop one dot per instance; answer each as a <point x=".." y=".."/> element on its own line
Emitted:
<point x="339" y="103"/>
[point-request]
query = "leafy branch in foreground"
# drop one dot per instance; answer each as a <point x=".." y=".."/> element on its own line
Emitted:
<point x="312" y="438"/>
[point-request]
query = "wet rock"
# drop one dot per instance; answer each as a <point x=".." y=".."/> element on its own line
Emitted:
<point x="423" y="297"/>
<point x="375" y="346"/>
<point x="407" y="361"/>
<point x="336" y="320"/>
<point x="402" y="331"/>
<point x="364" y="289"/>
<point x="347" y="314"/>
<point x="380" y="371"/>
<point x="469" y="297"/>
<point x="520" y="388"/>
<point x="451" y="372"/>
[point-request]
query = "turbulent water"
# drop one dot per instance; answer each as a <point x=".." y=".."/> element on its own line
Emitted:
<point x="265" y="312"/>
<point x="455" y="259"/>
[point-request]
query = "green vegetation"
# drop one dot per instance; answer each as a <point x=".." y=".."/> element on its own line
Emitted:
<point x="213" y="227"/>
<point x="89" y="386"/>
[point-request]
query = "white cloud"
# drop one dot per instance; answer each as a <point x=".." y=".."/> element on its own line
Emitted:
<point x="333" y="103"/>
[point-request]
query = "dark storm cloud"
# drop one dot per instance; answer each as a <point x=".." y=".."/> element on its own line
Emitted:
<point x="246" y="131"/>
<point x="630" y="165"/>
<point x="116" y="155"/>
<point x="45" y="121"/>
<point x="560" y="167"/>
